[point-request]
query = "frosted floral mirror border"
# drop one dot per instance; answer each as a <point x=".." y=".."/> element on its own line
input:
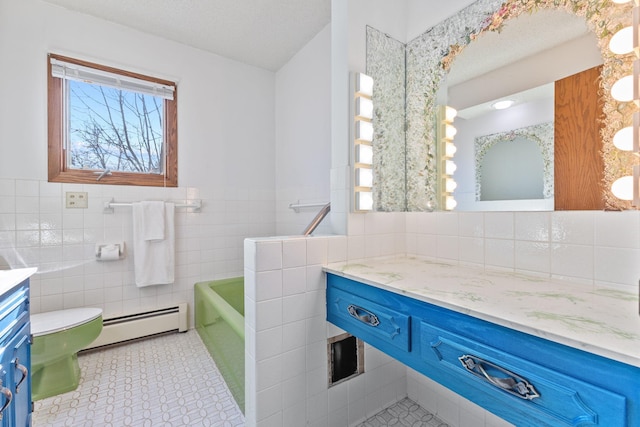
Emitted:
<point x="428" y="58"/>
<point x="541" y="134"/>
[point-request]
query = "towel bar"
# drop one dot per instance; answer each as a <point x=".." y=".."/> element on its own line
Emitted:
<point x="196" y="205"/>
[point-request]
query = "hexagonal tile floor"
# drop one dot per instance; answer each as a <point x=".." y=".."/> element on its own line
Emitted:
<point x="166" y="381"/>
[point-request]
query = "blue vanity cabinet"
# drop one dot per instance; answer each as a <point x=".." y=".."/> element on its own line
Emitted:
<point x="15" y="357"/>
<point x="522" y="378"/>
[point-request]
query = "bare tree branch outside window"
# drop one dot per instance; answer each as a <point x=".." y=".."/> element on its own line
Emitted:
<point x="114" y="129"/>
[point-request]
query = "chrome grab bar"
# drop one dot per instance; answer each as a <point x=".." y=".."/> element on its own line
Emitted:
<point x="317" y="219"/>
<point x="297" y="206"/>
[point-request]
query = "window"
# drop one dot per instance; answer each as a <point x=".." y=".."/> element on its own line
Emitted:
<point x="109" y="126"/>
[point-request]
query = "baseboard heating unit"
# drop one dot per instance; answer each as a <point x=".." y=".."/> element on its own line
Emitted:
<point x="139" y="325"/>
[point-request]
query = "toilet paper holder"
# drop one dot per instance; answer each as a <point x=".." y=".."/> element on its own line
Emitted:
<point x="109" y="251"/>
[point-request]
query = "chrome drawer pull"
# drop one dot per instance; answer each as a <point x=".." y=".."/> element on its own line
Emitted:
<point x="25" y="374"/>
<point x="363" y="315"/>
<point x="513" y="384"/>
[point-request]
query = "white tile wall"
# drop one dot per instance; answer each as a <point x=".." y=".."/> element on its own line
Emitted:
<point x="291" y="333"/>
<point x="589" y="247"/>
<point x="36" y="230"/>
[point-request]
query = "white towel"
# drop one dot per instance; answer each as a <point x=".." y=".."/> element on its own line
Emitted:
<point x="154" y="260"/>
<point x="153" y="224"/>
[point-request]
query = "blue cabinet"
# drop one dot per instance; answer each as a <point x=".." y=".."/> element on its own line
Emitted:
<point x="524" y="379"/>
<point x="15" y="357"/>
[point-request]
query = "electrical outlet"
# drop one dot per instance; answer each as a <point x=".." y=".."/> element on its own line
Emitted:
<point x="77" y="199"/>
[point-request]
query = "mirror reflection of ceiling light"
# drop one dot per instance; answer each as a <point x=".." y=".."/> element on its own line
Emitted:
<point x="502" y="105"/>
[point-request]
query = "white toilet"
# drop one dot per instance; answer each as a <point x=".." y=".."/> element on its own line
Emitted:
<point x="57" y="338"/>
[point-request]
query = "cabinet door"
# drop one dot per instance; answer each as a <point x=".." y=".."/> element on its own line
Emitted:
<point x="21" y="377"/>
<point x="6" y="394"/>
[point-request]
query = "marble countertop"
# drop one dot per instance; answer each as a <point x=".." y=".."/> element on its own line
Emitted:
<point x="596" y="319"/>
<point x="10" y="278"/>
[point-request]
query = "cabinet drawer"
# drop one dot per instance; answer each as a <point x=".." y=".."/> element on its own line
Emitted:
<point x="380" y="326"/>
<point x="540" y="395"/>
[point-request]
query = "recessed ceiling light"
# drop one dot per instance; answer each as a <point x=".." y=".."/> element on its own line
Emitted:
<point x="501" y="105"/>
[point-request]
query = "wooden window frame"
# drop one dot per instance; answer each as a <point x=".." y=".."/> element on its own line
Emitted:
<point x="58" y="171"/>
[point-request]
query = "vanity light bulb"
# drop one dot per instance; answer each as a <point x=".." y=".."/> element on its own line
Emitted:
<point x="450" y="203"/>
<point x="450" y="114"/>
<point x="622" y="42"/>
<point x="623" y="139"/>
<point x="364" y="177"/>
<point x="450" y="149"/>
<point x="622" y="188"/>
<point x="450" y="132"/>
<point x="364" y="108"/>
<point x="364" y="154"/>
<point x="450" y="185"/>
<point x="364" y="130"/>
<point x="364" y="200"/>
<point x="622" y="90"/>
<point x="450" y="167"/>
<point x="364" y="84"/>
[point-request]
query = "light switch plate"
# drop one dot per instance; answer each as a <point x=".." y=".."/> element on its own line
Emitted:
<point x="77" y="199"/>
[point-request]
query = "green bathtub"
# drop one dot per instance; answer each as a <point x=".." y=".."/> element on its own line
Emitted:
<point x="219" y="319"/>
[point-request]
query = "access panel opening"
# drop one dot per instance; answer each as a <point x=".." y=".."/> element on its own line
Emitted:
<point x="346" y="358"/>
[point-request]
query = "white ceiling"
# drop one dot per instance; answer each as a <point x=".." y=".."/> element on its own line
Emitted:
<point x="264" y="33"/>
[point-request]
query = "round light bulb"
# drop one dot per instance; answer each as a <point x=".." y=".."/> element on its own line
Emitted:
<point x="450" y="185"/>
<point x="623" y="139"/>
<point x="450" y="167"/>
<point x="450" y="149"/>
<point x="622" y="42"/>
<point x="450" y="203"/>
<point x="622" y="188"/>
<point x="364" y="108"/>
<point x="622" y="90"/>
<point x="450" y="132"/>
<point x="450" y="113"/>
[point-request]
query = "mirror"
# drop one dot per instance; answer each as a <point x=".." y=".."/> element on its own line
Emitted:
<point x="505" y="156"/>
<point x="425" y="70"/>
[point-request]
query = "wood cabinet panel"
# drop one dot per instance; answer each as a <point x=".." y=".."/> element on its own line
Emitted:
<point x="579" y="166"/>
